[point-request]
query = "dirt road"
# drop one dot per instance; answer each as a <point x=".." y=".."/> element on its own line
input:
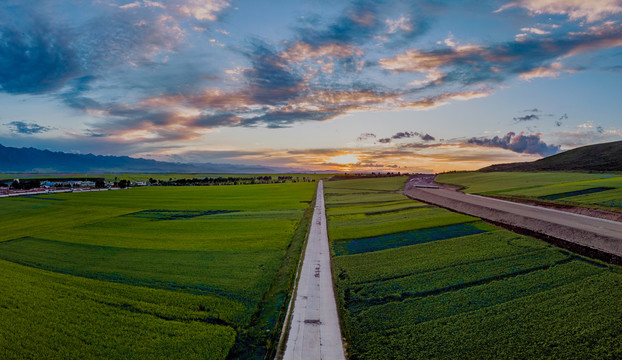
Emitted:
<point x="600" y="234"/>
<point x="314" y="332"/>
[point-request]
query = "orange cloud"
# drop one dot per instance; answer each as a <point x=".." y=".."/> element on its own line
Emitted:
<point x="551" y="71"/>
<point x="301" y="51"/>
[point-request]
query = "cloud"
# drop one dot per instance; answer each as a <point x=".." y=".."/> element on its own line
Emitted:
<point x="521" y="143"/>
<point x="494" y="63"/>
<point x="20" y="127"/>
<point x="407" y="134"/>
<point x="552" y="71"/>
<point x="270" y="80"/>
<point x="527" y="118"/>
<point x="396" y="22"/>
<point x="41" y="54"/>
<point x="558" y="122"/>
<point x="590" y="11"/>
<point x="205" y="10"/>
<point x="365" y="136"/>
<point x="535" y="31"/>
<point x="35" y="57"/>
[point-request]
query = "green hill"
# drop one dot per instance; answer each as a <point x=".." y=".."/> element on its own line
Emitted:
<point x="598" y="157"/>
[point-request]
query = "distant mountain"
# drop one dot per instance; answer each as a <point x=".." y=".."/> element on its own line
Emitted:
<point x="598" y="157"/>
<point x="31" y="160"/>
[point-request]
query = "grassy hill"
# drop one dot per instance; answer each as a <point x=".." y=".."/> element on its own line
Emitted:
<point x="598" y="157"/>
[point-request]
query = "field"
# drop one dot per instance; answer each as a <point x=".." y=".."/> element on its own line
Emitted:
<point x="176" y="272"/>
<point x="447" y="285"/>
<point x="599" y="190"/>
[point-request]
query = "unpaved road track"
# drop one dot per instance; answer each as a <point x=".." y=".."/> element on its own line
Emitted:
<point x="600" y="234"/>
<point x="315" y="332"/>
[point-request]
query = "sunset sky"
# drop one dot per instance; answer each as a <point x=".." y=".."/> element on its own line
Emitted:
<point x="312" y="84"/>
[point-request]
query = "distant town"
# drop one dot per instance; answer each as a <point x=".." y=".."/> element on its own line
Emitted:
<point x="39" y="186"/>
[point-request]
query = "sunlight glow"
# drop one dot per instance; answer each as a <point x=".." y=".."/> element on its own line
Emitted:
<point x="344" y="159"/>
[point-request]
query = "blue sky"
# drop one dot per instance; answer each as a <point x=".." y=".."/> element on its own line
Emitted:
<point x="312" y="84"/>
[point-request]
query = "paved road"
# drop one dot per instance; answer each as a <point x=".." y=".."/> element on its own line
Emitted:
<point x="600" y="234"/>
<point x="314" y="332"/>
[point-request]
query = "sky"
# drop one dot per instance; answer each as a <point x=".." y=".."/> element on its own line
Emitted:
<point x="361" y="85"/>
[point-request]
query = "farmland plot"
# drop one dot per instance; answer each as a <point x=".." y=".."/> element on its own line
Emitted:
<point x="184" y="272"/>
<point x="465" y="289"/>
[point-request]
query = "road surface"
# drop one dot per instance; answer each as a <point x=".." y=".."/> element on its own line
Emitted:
<point x="600" y="234"/>
<point x="314" y="332"/>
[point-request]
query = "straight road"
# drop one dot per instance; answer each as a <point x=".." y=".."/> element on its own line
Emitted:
<point x="315" y="332"/>
<point x="600" y="234"/>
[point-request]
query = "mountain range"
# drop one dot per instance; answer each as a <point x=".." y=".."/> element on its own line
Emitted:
<point x="31" y="160"/>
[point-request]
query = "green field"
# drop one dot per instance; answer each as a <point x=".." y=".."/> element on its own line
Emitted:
<point x="601" y="190"/>
<point x="447" y="291"/>
<point x="175" y="272"/>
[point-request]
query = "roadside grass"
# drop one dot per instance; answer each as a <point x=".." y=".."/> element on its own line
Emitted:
<point x="234" y="248"/>
<point x="495" y="294"/>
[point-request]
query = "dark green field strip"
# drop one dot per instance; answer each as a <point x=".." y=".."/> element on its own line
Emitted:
<point x="461" y="300"/>
<point x="357" y="228"/>
<point x="176" y="214"/>
<point x="578" y="320"/>
<point x="405" y="261"/>
<point x="43" y="198"/>
<point x="241" y="276"/>
<point x="407" y="238"/>
<point x="357" y="199"/>
<point x="57" y="316"/>
<point x="384" y="212"/>
<point x="400" y="205"/>
<point x="238" y="231"/>
<point x="575" y="193"/>
<point x="453" y="278"/>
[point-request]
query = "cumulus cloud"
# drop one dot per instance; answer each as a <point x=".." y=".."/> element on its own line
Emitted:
<point x="20" y="127"/>
<point x="518" y="143"/>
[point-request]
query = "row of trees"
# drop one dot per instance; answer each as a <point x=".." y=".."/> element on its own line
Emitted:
<point x="230" y="180"/>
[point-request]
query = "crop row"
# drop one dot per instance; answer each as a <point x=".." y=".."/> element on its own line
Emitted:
<point x="46" y="315"/>
<point x="576" y="320"/>
<point x="400" y="262"/>
<point x="422" y="283"/>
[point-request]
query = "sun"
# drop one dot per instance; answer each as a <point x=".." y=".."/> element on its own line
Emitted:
<point x="344" y="159"/>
